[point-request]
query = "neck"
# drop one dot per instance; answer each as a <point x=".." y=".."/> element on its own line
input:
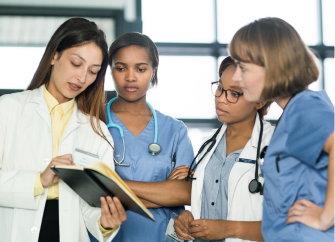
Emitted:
<point x="56" y="94"/>
<point x="139" y="106"/>
<point x="241" y="129"/>
<point x="282" y="102"/>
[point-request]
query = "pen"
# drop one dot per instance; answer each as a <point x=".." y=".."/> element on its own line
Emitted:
<point x="174" y="160"/>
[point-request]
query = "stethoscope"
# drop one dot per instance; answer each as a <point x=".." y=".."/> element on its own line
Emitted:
<point x="254" y="186"/>
<point x="154" y="148"/>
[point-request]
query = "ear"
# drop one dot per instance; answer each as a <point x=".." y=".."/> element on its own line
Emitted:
<point x="153" y="74"/>
<point x="54" y="58"/>
<point x="259" y="105"/>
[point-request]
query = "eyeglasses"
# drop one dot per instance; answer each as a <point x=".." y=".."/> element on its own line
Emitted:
<point x="231" y="95"/>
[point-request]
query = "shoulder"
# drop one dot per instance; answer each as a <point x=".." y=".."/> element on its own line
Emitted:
<point x="310" y="100"/>
<point x="18" y="97"/>
<point x="169" y="122"/>
<point x="308" y="108"/>
<point x="15" y="101"/>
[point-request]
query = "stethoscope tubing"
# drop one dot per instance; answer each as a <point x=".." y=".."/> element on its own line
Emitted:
<point x="113" y="125"/>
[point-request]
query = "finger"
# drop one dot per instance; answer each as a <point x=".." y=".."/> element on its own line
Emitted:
<point x="182" y="235"/>
<point x="106" y="221"/>
<point x="181" y="225"/>
<point x="306" y="202"/>
<point x="176" y="170"/>
<point x="114" y="212"/>
<point x="180" y="171"/>
<point x="67" y="157"/>
<point x="200" y="235"/>
<point x="60" y="162"/>
<point x="294" y="219"/>
<point x="120" y="209"/>
<point x="197" y="222"/>
<point x="195" y="229"/>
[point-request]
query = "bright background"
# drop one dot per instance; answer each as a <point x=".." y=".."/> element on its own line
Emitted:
<point x="191" y="35"/>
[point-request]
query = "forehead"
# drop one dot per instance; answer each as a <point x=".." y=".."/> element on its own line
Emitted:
<point x="132" y="54"/>
<point x="90" y="52"/>
<point x="226" y="77"/>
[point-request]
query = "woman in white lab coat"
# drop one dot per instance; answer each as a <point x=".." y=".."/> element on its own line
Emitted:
<point x="62" y="109"/>
<point x="226" y="194"/>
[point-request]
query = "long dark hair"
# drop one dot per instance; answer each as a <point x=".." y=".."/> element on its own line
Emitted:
<point x="228" y="61"/>
<point x="135" y="38"/>
<point x="72" y="33"/>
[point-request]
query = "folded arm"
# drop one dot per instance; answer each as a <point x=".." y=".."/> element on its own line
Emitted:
<point x="165" y="193"/>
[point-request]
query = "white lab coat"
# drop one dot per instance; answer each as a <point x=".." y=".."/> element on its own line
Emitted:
<point x="25" y="150"/>
<point x="242" y="205"/>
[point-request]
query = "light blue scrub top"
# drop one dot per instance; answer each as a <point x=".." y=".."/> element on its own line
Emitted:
<point x="301" y="169"/>
<point x="214" y="203"/>
<point x="173" y="138"/>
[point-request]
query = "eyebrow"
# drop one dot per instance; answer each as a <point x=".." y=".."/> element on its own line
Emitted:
<point x="138" y="64"/>
<point x="84" y="59"/>
<point x="236" y="87"/>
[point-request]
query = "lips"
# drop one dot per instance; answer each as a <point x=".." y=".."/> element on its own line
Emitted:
<point x="220" y="111"/>
<point x="74" y="87"/>
<point x="131" y="88"/>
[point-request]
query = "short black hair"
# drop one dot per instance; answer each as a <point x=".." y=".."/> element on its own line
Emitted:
<point x="135" y="38"/>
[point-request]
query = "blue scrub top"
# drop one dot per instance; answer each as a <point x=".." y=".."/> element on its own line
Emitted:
<point x="173" y="138"/>
<point x="295" y="166"/>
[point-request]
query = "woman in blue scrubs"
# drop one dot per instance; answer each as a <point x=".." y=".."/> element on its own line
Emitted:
<point x="133" y="59"/>
<point x="275" y="64"/>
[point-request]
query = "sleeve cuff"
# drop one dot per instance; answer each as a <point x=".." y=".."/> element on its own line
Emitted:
<point x="38" y="188"/>
<point x="106" y="232"/>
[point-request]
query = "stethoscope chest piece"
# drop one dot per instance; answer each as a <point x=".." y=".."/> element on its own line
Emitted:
<point x="154" y="148"/>
<point x="255" y="186"/>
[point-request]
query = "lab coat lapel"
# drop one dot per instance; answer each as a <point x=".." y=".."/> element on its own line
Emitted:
<point x="76" y="118"/>
<point x="37" y="96"/>
<point x="240" y="168"/>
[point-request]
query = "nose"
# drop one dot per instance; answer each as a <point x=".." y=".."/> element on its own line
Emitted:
<point x="222" y="98"/>
<point x="237" y="77"/>
<point x="82" y="74"/>
<point x="130" y="75"/>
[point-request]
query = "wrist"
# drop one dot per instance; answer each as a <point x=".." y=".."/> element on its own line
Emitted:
<point x="229" y="229"/>
<point x="326" y="220"/>
<point x="233" y="228"/>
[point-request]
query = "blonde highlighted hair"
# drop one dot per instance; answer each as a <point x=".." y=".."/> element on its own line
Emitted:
<point x="275" y="45"/>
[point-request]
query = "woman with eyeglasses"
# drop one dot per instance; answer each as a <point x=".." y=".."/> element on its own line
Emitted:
<point x="275" y="64"/>
<point x="223" y="208"/>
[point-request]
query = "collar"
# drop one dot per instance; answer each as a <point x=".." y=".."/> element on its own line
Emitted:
<point x="52" y="102"/>
<point x="37" y="96"/>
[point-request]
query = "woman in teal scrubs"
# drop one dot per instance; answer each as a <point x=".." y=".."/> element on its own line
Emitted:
<point x="133" y="58"/>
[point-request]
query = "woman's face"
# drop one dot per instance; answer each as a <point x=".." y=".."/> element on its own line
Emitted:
<point x="74" y="70"/>
<point x="233" y="112"/>
<point x="132" y="72"/>
<point x="250" y="78"/>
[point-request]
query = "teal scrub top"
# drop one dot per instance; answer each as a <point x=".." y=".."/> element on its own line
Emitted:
<point x="173" y="138"/>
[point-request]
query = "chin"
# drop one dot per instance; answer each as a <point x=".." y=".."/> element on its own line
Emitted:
<point x="223" y="119"/>
<point x="250" y="98"/>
